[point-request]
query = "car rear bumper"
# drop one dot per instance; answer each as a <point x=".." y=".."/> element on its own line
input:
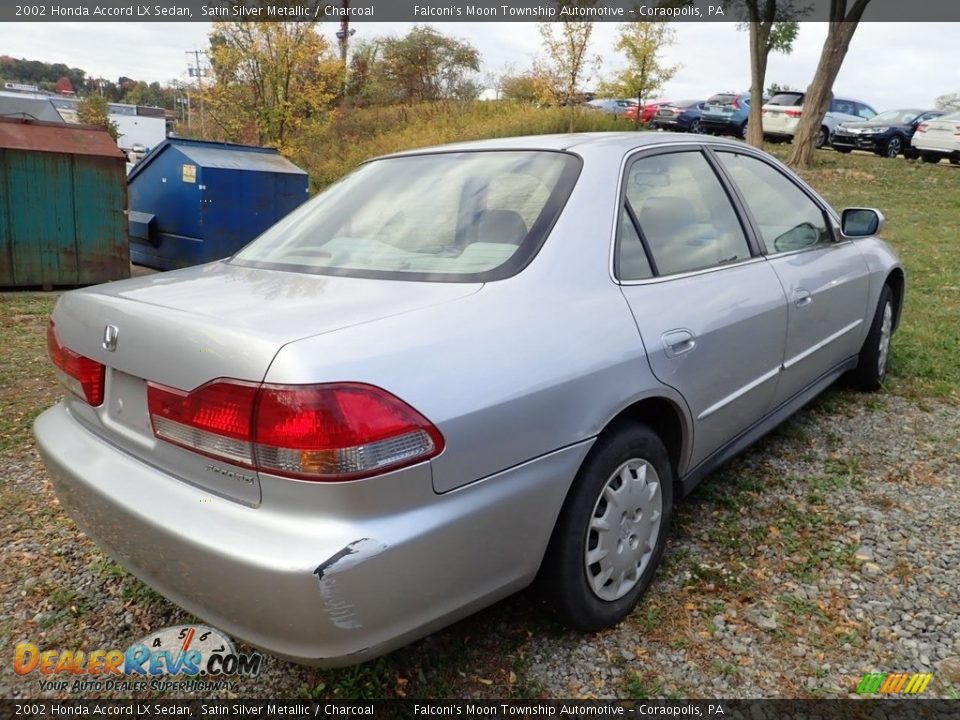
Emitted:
<point x="945" y="146"/>
<point x="317" y="588"/>
<point x="721" y="125"/>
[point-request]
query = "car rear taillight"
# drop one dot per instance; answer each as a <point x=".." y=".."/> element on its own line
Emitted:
<point x="339" y="431"/>
<point x="78" y="374"/>
<point x="922" y="127"/>
<point x="794" y="113"/>
<point x="735" y="104"/>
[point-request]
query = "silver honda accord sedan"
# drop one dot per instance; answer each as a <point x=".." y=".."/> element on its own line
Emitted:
<point x="455" y="372"/>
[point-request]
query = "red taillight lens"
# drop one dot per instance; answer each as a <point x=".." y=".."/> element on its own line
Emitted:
<point x="79" y="374"/>
<point x="736" y="104"/>
<point x="922" y="127"/>
<point x="340" y="431"/>
<point x="794" y="113"/>
<point x="216" y="419"/>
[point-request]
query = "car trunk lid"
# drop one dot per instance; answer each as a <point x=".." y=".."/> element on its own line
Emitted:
<point x="186" y="328"/>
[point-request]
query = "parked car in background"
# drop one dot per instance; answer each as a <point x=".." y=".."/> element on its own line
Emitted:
<point x="614" y="106"/>
<point x="726" y="114"/>
<point x="681" y="115"/>
<point x="647" y="112"/>
<point x="371" y="421"/>
<point x="938" y="139"/>
<point x="781" y="116"/>
<point x="888" y="134"/>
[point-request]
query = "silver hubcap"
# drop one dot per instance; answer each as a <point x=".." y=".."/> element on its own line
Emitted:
<point x="886" y="329"/>
<point x="624" y="529"/>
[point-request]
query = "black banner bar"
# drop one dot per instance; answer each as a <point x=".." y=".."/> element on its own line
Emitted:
<point x="444" y="11"/>
<point x="485" y="709"/>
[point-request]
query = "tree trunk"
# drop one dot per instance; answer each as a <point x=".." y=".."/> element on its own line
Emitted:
<point x="817" y="100"/>
<point x="759" y="35"/>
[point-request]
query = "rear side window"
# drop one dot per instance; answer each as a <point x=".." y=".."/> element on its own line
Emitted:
<point x="788" y="219"/>
<point x="454" y="217"/>
<point x="684" y="216"/>
<point x="865" y="111"/>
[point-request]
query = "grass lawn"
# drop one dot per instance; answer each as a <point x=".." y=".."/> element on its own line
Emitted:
<point x="922" y="206"/>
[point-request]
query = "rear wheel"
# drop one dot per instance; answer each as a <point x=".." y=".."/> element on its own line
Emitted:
<point x="743" y="129"/>
<point x="695" y="127"/>
<point x="954" y="161"/>
<point x="822" y="136"/>
<point x="872" y="366"/>
<point x="893" y="147"/>
<point x="612" y="531"/>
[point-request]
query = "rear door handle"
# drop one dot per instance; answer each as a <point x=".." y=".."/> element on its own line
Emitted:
<point x="802" y="298"/>
<point x="678" y="342"/>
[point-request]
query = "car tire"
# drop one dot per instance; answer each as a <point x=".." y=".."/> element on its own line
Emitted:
<point x="743" y="130"/>
<point x="822" y="137"/>
<point x="626" y="484"/>
<point x="875" y="353"/>
<point x="893" y="147"/>
<point x="954" y="161"/>
<point x="932" y="159"/>
<point x="695" y="127"/>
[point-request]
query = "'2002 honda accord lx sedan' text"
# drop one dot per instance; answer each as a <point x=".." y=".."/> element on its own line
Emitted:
<point x="456" y="371"/>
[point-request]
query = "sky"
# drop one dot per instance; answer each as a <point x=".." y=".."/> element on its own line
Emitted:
<point x="889" y="65"/>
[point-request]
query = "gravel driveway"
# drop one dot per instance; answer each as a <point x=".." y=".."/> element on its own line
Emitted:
<point x="828" y="551"/>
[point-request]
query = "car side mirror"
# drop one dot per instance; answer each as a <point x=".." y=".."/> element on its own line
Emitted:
<point x="861" y="222"/>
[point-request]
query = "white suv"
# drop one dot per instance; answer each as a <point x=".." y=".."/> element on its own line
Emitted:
<point x="781" y="116"/>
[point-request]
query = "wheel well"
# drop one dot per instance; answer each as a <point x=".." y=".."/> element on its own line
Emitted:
<point x="896" y="282"/>
<point x="664" y="418"/>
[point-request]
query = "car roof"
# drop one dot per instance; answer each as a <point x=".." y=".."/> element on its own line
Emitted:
<point x="570" y="141"/>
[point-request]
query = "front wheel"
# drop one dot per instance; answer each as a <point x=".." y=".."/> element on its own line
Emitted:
<point x="612" y="530"/>
<point x="872" y="365"/>
<point x="822" y="136"/>
<point x="893" y="147"/>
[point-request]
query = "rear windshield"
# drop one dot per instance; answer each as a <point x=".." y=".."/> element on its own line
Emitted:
<point x="454" y="217"/>
<point x="786" y="98"/>
<point x="722" y="99"/>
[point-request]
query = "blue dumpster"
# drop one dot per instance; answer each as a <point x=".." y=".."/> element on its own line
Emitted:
<point x="193" y="201"/>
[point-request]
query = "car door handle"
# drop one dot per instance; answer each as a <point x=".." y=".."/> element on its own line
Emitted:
<point x="802" y="298"/>
<point x="678" y="342"/>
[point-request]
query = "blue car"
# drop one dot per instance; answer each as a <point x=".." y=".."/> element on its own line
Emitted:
<point x="726" y="114"/>
<point x="683" y="116"/>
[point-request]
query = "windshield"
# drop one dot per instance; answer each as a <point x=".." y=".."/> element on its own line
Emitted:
<point x="462" y="217"/>
<point x="722" y="99"/>
<point x="895" y="117"/>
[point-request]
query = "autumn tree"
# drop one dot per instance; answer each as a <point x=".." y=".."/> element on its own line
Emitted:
<point x="949" y="102"/>
<point x="422" y="66"/>
<point x="845" y="16"/>
<point x="533" y="85"/>
<point x="646" y="73"/>
<point x="270" y="79"/>
<point x="95" y="110"/>
<point x="569" y="63"/>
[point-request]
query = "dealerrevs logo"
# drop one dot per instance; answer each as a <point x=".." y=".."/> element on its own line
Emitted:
<point x="186" y="651"/>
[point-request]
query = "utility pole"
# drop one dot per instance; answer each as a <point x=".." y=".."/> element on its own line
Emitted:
<point x="343" y="37"/>
<point x="197" y="70"/>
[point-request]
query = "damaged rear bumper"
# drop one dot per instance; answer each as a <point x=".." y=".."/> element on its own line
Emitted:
<point x="322" y="574"/>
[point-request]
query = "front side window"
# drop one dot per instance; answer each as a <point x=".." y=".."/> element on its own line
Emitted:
<point x="684" y="216"/>
<point x="788" y="219"/>
<point x="462" y="217"/>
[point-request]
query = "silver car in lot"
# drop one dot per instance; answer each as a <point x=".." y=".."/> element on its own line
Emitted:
<point x="455" y="372"/>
